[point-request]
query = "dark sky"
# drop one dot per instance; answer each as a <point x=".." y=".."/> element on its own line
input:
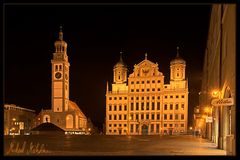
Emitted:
<point x="95" y="35"/>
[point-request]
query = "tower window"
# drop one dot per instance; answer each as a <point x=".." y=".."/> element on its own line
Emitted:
<point x="56" y="67"/>
<point x="60" y="67"/>
<point x="177" y="74"/>
<point x="119" y="77"/>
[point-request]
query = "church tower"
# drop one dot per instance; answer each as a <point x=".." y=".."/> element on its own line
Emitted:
<point x="60" y="75"/>
<point x="177" y="67"/>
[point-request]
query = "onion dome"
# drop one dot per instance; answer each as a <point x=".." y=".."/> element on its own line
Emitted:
<point x="178" y="59"/>
<point x="120" y="63"/>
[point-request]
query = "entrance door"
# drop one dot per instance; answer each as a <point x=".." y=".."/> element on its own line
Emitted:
<point x="144" y="129"/>
<point x="170" y="131"/>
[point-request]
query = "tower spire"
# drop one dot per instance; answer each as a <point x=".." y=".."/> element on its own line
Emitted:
<point x="121" y="60"/>
<point x="60" y="34"/>
<point x="146" y="55"/>
<point x="177" y="51"/>
<point x="107" y="87"/>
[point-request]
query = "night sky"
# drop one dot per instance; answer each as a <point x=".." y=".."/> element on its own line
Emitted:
<point x="95" y="35"/>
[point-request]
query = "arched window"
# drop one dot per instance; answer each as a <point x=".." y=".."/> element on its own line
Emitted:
<point x="46" y="118"/>
<point x="69" y="121"/>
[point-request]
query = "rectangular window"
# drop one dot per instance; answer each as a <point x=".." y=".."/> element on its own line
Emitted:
<point x="132" y="82"/>
<point x="142" y="116"/>
<point x="137" y="82"/>
<point x="131" y="106"/>
<point x="147" y="89"/>
<point x="120" y="98"/>
<point x="125" y="98"/>
<point x="159" y="81"/>
<point x="115" y="117"/>
<point x="158" y="116"/>
<point x="182" y="125"/>
<point x="137" y="106"/>
<point x="165" y="107"/>
<point x="176" y="96"/>
<point x="142" y="90"/>
<point x="115" y="125"/>
<point x="158" y="97"/>
<point x="152" y="127"/>
<point x="131" y="117"/>
<point x="165" y="116"/>
<point x="110" y="125"/>
<point x="176" y="116"/>
<point x="165" y="124"/>
<point x="171" y="96"/>
<point x="153" y="97"/>
<point x="182" y="116"/>
<point x="120" y="125"/>
<point x="182" y="106"/>
<point x="110" y="117"/>
<point x="158" y="106"/>
<point x="170" y="125"/>
<point x="115" y="107"/>
<point x="148" y="81"/>
<point x="120" y="117"/>
<point x="171" y="106"/>
<point x="132" y="90"/>
<point x="115" y="98"/>
<point x="125" y="107"/>
<point x="153" y="89"/>
<point x="110" y="107"/>
<point x="147" y="116"/>
<point x="182" y="96"/>
<point x="137" y="126"/>
<point x="158" y="89"/>
<point x="137" y="98"/>
<point x="147" y="106"/>
<point x="176" y="106"/>
<point x="60" y="67"/>
<point x="153" y="81"/>
<point x="153" y="117"/>
<point x="125" y="117"/>
<point x="131" y="98"/>
<point x="170" y="116"/>
<point x="142" y="98"/>
<point x="137" y="90"/>
<point x="142" y="105"/>
<point x="136" y="116"/>
<point x="153" y="107"/>
<point x="142" y="82"/>
<point x="56" y="67"/>
<point x="147" y="98"/>
<point x="166" y="97"/>
<point x="157" y="128"/>
<point x="120" y="107"/>
<point x="131" y="128"/>
<point x="110" y="98"/>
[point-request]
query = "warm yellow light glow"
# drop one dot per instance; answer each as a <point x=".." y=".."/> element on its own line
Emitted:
<point x="215" y="93"/>
<point x="130" y="118"/>
<point x="204" y="116"/>
<point x="39" y="119"/>
<point x="190" y="128"/>
<point x="14" y="119"/>
<point x="89" y="129"/>
<point x="207" y="109"/>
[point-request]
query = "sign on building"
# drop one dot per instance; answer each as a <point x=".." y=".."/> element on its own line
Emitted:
<point x="209" y="119"/>
<point x="222" y="102"/>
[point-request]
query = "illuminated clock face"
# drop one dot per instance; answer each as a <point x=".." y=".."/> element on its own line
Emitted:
<point x="58" y="75"/>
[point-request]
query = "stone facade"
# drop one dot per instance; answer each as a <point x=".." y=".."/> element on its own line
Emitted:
<point x="147" y="106"/>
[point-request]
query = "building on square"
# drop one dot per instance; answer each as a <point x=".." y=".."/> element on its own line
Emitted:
<point x="64" y="113"/>
<point x="142" y="104"/>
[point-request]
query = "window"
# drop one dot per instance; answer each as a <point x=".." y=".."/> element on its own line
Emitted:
<point x="158" y="89"/>
<point x="60" y="67"/>
<point x="125" y="125"/>
<point x="153" y="107"/>
<point x="131" y="106"/>
<point x="171" y="106"/>
<point x="115" y="130"/>
<point x="136" y="116"/>
<point x="115" y="125"/>
<point x="137" y="125"/>
<point x="142" y="105"/>
<point x="137" y="90"/>
<point x="137" y="82"/>
<point x="157" y="128"/>
<point x="153" y="117"/>
<point x="115" y="117"/>
<point x="110" y="125"/>
<point x="120" y="107"/>
<point x="171" y="96"/>
<point x="159" y="81"/>
<point x="137" y="106"/>
<point x="147" y="106"/>
<point x="115" y="107"/>
<point x="170" y="125"/>
<point x="132" y="90"/>
<point x="176" y="96"/>
<point x="115" y="98"/>
<point x="153" y="89"/>
<point x="120" y="98"/>
<point x="158" y="97"/>
<point x="131" y="128"/>
<point x="148" y="90"/>
<point x="166" y="97"/>
<point x="176" y="116"/>
<point x="165" y="116"/>
<point x="165" y="125"/>
<point x="158" y="105"/>
<point x="148" y="81"/>
<point x="110" y="130"/>
<point x="182" y="96"/>
<point x="142" y="98"/>
<point x="153" y="97"/>
<point x="142" y="82"/>
<point x="120" y="125"/>
<point x="153" y="81"/>
<point x="165" y="107"/>
<point x="176" y="106"/>
<point x="137" y="98"/>
<point x="182" y="125"/>
<point x="182" y="106"/>
<point x="158" y="116"/>
<point x="131" y="98"/>
<point x="170" y="117"/>
<point x="142" y="90"/>
<point x="182" y="116"/>
<point x="56" y="67"/>
<point x="152" y="127"/>
<point x="110" y="98"/>
<point x="120" y="117"/>
<point x="132" y="82"/>
<point x="125" y="98"/>
<point x="176" y="125"/>
<point x="110" y="107"/>
<point x="110" y="117"/>
<point x="125" y="117"/>
<point x="147" y="116"/>
<point x="147" y="98"/>
<point x="125" y="107"/>
<point x="142" y="116"/>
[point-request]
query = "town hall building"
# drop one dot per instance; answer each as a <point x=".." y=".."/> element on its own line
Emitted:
<point x="142" y="104"/>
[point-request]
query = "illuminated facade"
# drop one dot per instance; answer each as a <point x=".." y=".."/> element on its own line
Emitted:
<point x="147" y="106"/>
<point x="219" y="74"/>
<point x="63" y="113"/>
<point x="18" y="120"/>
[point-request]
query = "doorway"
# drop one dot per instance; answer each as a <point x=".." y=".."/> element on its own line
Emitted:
<point x="144" y="129"/>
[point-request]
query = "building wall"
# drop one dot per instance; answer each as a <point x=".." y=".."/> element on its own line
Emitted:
<point x="16" y="117"/>
<point x="219" y="71"/>
<point x="148" y="106"/>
